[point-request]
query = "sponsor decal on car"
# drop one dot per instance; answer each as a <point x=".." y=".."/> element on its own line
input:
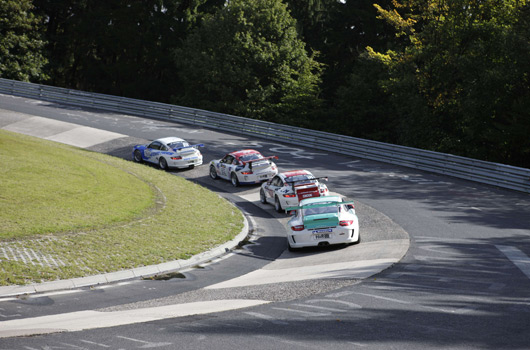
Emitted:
<point x="324" y="230"/>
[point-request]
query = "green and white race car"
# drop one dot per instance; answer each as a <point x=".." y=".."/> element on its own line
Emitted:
<point x="322" y="221"/>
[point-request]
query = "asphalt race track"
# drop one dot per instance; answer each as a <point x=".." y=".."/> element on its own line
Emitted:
<point x="443" y="263"/>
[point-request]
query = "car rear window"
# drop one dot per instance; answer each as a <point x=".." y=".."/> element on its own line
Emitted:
<point x="301" y="178"/>
<point x="251" y="156"/>
<point x="178" y="144"/>
<point x="320" y="210"/>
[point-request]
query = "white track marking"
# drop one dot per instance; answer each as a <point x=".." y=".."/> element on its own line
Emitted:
<point x="520" y="259"/>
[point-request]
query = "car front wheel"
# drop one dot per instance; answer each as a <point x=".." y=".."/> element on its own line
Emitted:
<point x="137" y="156"/>
<point x="213" y="173"/>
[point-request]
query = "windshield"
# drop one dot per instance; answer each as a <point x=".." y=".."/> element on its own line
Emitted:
<point x="251" y="156"/>
<point x="178" y="144"/>
<point x="320" y="210"/>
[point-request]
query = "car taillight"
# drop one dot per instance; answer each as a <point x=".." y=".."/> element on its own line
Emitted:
<point x="289" y="195"/>
<point x="345" y="222"/>
<point x="297" y="227"/>
<point x="247" y="172"/>
<point x="176" y="158"/>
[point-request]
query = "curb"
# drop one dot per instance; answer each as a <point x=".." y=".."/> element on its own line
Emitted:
<point x="110" y="277"/>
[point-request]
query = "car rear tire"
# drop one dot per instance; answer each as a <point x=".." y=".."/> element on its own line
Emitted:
<point x="137" y="156"/>
<point x="213" y="173"/>
<point x="234" y="180"/>
<point x="262" y="197"/>
<point x="291" y="249"/>
<point x="278" y="205"/>
<point x="162" y="163"/>
<point x="357" y="241"/>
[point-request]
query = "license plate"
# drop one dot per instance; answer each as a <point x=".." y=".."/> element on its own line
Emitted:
<point x="322" y="236"/>
<point x="307" y="195"/>
<point x="263" y="176"/>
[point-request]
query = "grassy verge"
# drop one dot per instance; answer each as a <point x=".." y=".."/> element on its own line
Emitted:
<point x="67" y="212"/>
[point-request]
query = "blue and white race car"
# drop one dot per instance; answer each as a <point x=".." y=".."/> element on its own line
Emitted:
<point x="169" y="152"/>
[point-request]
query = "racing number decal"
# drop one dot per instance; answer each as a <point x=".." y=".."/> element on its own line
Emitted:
<point x="222" y="170"/>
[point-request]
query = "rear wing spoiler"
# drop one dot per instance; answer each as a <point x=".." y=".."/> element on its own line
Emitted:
<point x="292" y="183"/>
<point x="334" y="204"/>
<point x="190" y="146"/>
<point x="258" y="160"/>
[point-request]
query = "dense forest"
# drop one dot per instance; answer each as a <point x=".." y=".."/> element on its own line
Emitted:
<point x="446" y="75"/>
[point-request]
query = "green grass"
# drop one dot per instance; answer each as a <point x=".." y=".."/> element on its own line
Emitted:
<point x="93" y="213"/>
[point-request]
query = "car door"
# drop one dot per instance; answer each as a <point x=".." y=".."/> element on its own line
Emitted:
<point x="152" y="152"/>
<point x="224" y="166"/>
<point x="275" y="185"/>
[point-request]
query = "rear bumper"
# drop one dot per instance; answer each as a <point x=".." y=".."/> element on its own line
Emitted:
<point x="307" y="238"/>
<point x="256" y="178"/>
<point x="182" y="163"/>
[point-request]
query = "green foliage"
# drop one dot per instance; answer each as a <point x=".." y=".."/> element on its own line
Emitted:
<point x="338" y="31"/>
<point x="461" y="76"/>
<point x="21" y="56"/>
<point x="362" y="106"/>
<point x="117" y="47"/>
<point x="246" y="59"/>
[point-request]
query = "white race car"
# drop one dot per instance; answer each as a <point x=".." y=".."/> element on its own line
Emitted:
<point x="244" y="167"/>
<point x="289" y="188"/>
<point x="169" y="152"/>
<point x="322" y="221"/>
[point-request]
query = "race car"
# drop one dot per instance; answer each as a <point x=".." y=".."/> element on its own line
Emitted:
<point x="322" y="221"/>
<point x="169" y="152"/>
<point x="244" y="167"/>
<point x="289" y="188"/>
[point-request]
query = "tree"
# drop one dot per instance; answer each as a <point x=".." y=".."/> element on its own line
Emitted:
<point x="459" y="76"/>
<point x="246" y="59"/>
<point x="21" y="45"/>
<point x="339" y="30"/>
<point x="119" y="47"/>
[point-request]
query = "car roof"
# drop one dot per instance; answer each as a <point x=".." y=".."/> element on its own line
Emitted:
<point x="292" y="173"/>
<point x="170" y="139"/>
<point x="317" y="200"/>
<point x="244" y="152"/>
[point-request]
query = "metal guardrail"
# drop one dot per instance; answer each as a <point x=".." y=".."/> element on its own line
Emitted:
<point x="496" y="174"/>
